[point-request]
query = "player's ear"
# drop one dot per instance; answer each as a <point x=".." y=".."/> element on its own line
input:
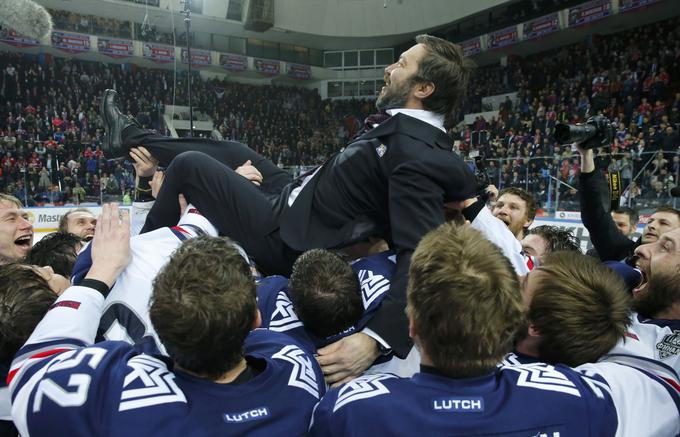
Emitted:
<point x="258" y="319"/>
<point x="533" y="331"/>
<point x="412" y="328"/>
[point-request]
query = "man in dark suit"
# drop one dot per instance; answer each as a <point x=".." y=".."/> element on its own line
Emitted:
<point x="390" y="182"/>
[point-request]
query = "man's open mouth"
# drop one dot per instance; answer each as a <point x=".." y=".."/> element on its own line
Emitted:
<point x="24" y="241"/>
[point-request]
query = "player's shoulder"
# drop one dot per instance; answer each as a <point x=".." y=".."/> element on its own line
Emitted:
<point x="376" y="390"/>
<point x="269" y="286"/>
<point x="288" y="360"/>
<point x="558" y="381"/>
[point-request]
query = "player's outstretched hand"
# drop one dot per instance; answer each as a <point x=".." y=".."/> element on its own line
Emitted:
<point x="250" y="172"/>
<point x="110" y="245"/>
<point x="347" y="358"/>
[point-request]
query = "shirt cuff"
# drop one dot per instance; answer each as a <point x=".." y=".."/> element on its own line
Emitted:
<point x="97" y="285"/>
<point x="383" y="346"/>
<point x="471" y="212"/>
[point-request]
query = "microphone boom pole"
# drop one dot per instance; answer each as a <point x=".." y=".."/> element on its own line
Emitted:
<point x="187" y="23"/>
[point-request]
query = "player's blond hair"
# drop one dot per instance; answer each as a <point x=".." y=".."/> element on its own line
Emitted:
<point x="464" y="300"/>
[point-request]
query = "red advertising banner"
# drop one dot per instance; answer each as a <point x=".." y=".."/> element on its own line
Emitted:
<point x="199" y="58"/>
<point x="9" y="36"/>
<point x="503" y="37"/>
<point x="115" y="48"/>
<point x="631" y="5"/>
<point x="267" y="68"/>
<point x="298" y="71"/>
<point x="589" y="12"/>
<point x="158" y="53"/>
<point x="472" y="46"/>
<point x="70" y="42"/>
<point x="233" y="62"/>
<point x="541" y="26"/>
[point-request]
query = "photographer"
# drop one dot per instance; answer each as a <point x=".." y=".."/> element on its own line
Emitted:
<point x="610" y="243"/>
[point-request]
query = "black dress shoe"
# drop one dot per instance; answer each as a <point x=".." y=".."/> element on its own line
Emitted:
<point x="115" y="122"/>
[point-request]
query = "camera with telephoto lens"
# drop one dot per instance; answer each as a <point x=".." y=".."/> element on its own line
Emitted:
<point x="597" y="131"/>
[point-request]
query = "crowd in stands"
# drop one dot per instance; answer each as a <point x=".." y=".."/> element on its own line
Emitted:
<point x="50" y="127"/>
<point x="50" y="113"/>
<point x="380" y="296"/>
<point x="629" y="77"/>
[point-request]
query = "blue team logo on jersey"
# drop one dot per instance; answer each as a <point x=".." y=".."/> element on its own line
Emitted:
<point x="302" y="374"/>
<point x="364" y="387"/>
<point x="149" y="383"/>
<point x="372" y="286"/>
<point x="458" y="405"/>
<point x="284" y="317"/>
<point x="247" y="416"/>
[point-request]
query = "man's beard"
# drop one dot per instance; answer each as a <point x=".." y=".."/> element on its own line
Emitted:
<point x="663" y="290"/>
<point x="395" y="96"/>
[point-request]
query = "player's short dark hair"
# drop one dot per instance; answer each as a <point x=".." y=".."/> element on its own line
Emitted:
<point x="57" y="250"/>
<point x="580" y="307"/>
<point x="204" y="305"/>
<point x="525" y="196"/>
<point x="464" y="301"/>
<point x="325" y="292"/>
<point x="669" y="209"/>
<point x="557" y="239"/>
<point x="25" y="297"/>
<point x="446" y="67"/>
<point x="632" y="214"/>
<point x="63" y="221"/>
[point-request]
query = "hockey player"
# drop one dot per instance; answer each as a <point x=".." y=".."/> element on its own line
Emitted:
<point x="221" y="379"/>
<point x="328" y="299"/>
<point x="461" y="391"/>
<point x="578" y="311"/>
<point x="655" y="326"/>
<point x="125" y="315"/>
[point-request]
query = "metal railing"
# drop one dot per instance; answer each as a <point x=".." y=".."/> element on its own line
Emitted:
<point x="554" y="179"/>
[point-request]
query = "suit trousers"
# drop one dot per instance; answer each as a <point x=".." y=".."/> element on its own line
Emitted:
<point x="235" y="206"/>
<point x="230" y="153"/>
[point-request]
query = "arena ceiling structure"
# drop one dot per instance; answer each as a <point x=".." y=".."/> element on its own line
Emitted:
<point x="322" y="24"/>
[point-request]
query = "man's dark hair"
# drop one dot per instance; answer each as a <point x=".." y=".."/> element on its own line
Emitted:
<point x="557" y="239"/>
<point x="668" y="208"/>
<point x="204" y="305"/>
<point x="633" y="215"/>
<point x="57" y="250"/>
<point x="449" y="71"/>
<point x="525" y="196"/>
<point x="325" y="292"/>
<point x="25" y="297"/>
<point x="63" y="221"/>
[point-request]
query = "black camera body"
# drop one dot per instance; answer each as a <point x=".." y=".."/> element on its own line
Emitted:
<point x="597" y="131"/>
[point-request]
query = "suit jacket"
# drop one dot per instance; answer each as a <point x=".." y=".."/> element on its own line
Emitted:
<point x="390" y="182"/>
<point x="609" y="242"/>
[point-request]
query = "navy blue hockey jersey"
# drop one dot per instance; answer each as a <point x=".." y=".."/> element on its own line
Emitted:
<point x="522" y="400"/>
<point x="374" y="272"/>
<point x="111" y="389"/>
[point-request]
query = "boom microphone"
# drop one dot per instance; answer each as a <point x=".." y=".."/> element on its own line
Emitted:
<point x="27" y="18"/>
